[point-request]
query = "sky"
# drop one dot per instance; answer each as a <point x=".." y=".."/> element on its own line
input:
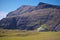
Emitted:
<point x="7" y="6"/>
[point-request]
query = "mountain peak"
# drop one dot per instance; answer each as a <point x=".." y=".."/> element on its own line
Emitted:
<point x="41" y="3"/>
<point x="25" y="5"/>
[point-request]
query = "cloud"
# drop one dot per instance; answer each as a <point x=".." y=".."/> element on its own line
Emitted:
<point x="2" y="14"/>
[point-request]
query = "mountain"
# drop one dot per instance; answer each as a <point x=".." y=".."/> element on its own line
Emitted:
<point x="21" y="10"/>
<point x="45" y="5"/>
<point x="43" y="16"/>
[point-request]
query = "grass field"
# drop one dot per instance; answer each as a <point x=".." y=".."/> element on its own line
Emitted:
<point x="28" y="35"/>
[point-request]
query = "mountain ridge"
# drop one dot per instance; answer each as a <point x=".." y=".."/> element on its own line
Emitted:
<point x="43" y="15"/>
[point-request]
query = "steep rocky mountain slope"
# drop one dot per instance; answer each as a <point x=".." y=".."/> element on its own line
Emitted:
<point x="27" y="17"/>
<point x="21" y="10"/>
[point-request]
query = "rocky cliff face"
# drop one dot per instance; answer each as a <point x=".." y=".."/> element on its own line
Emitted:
<point x="33" y="17"/>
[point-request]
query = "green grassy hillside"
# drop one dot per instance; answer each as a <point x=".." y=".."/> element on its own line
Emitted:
<point x="28" y="35"/>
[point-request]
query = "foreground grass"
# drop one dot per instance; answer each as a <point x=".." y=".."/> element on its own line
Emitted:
<point x="28" y="35"/>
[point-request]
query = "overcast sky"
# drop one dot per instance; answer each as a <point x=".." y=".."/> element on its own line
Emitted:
<point x="7" y="6"/>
